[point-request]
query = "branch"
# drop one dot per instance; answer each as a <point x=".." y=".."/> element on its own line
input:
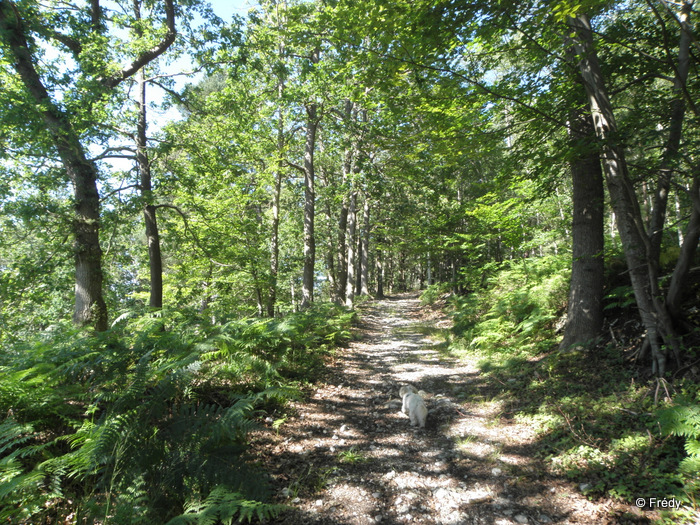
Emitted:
<point x="106" y="154"/>
<point x="296" y="166"/>
<point x="72" y="44"/>
<point x="177" y="96"/>
<point x="150" y="54"/>
<point x="118" y="190"/>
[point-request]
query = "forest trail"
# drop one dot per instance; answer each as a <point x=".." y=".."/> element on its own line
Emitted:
<point x="348" y="456"/>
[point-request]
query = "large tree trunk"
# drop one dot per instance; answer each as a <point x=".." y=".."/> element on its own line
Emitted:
<point x="585" y="309"/>
<point x="307" y="292"/>
<point x="90" y="307"/>
<point x="155" y="260"/>
<point x="635" y="242"/>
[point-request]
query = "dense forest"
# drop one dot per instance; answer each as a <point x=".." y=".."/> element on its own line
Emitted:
<point x="193" y="209"/>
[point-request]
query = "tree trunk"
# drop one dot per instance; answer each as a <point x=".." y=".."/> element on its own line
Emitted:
<point x="275" y="226"/>
<point x="380" y="275"/>
<point x="275" y="243"/>
<point x="90" y="307"/>
<point x="307" y="292"/>
<point x="673" y="142"/>
<point x="674" y="296"/>
<point x="585" y="308"/>
<point x="348" y="161"/>
<point x="351" y="243"/>
<point x="277" y="190"/>
<point x="364" y="262"/>
<point x="342" y="252"/>
<point x="635" y="242"/>
<point x="155" y="261"/>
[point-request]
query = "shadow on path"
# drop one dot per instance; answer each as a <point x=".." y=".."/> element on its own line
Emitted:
<point x="351" y="457"/>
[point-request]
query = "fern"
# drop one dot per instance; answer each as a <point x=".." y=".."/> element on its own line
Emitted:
<point x="683" y="420"/>
<point x="128" y="425"/>
<point x="224" y="505"/>
<point x="23" y="491"/>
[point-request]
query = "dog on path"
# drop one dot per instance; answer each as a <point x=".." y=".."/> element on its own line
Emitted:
<point x="413" y="405"/>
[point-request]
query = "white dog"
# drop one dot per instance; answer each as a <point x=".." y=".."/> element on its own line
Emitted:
<point x="413" y="406"/>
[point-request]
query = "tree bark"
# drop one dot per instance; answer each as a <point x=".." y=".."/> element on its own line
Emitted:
<point x="155" y="261"/>
<point x="364" y="261"/>
<point x="676" y="288"/>
<point x="635" y="242"/>
<point x="277" y="190"/>
<point x="673" y="142"/>
<point x="342" y="251"/>
<point x="351" y="243"/>
<point x="307" y="292"/>
<point x="90" y="307"/>
<point x="585" y="307"/>
<point x="380" y="275"/>
<point x="348" y="163"/>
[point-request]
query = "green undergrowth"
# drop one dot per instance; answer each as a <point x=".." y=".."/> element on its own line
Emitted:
<point x="148" y="423"/>
<point x="598" y="423"/>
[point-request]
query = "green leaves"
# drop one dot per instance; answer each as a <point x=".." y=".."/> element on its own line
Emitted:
<point x="225" y="505"/>
<point x="151" y="419"/>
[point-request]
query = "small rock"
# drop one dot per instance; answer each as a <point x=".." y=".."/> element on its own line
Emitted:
<point x="296" y="500"/>
<point x="319" y="502"/>
<point x="378" y="518"/>
<point x="544" y="519"/>
<point x="521" y="518"/>
<point x="585" y="487"/>
<point x="376" y="495"/>
<point x="496" y="471"/>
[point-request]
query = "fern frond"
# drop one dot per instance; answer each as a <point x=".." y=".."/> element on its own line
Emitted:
<point x="224" y="505"/>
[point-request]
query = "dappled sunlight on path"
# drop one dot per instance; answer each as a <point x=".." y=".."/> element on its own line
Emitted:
<point x="349" y="456"/>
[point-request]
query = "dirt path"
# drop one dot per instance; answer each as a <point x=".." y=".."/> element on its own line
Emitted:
<point x="350" y="457"/>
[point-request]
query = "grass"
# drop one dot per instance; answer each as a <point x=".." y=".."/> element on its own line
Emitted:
<point x="351" y="456"/>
